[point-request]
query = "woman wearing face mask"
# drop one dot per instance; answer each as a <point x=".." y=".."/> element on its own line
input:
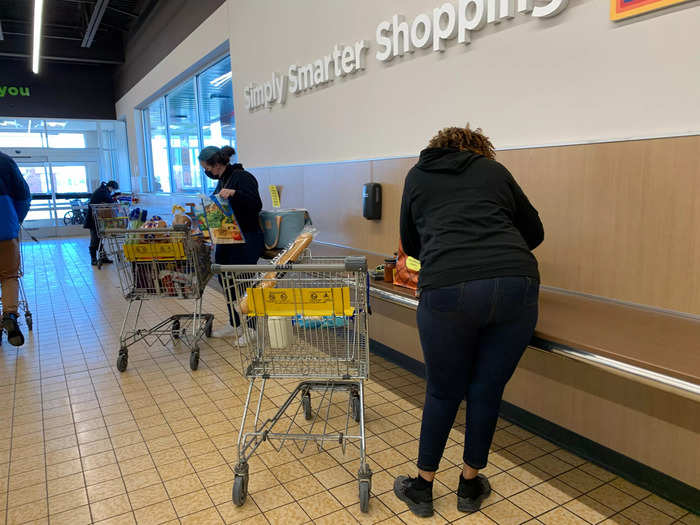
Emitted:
<point x="241" y="189"/>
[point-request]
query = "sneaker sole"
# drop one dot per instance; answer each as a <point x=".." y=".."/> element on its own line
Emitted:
<point x="422" y="510"/>
<point x="474" y="505"/>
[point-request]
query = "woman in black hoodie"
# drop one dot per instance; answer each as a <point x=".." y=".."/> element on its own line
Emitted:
<point x="241" y="189"/>
<point x="473" y="230"/>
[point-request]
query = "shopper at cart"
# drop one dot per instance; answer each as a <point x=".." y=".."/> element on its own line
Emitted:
<point x="102" y="195"/>
<point x="14" y="205"/>
<point x="241" y="189"/>
<point x="465" y="218"/>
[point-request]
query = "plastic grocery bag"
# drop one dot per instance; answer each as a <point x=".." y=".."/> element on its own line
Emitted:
<point x="218" y="218"/>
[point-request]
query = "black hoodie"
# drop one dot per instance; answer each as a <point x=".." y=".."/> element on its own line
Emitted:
<point x="465" y="218"/>
<point x="245" y="203"/>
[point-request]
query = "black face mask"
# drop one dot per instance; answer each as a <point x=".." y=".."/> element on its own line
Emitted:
<point x="209" y="174"/>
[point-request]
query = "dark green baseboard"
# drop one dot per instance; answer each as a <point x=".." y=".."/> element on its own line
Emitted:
<point x="633" y="471"/>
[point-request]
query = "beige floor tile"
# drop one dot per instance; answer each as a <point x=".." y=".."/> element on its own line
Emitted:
<point x="307" y="486"/>
<point x="233" y="514"/>
<point x="24" y="513"/>
<point x="106" y="489"/>
<point x="67" y="501"/>
<point x="110" y="507"/>
<point x="557" y="491"/>
<point x="340" y="517"/>
<point x="610" y="496"/>
<point x="478" y="518"/>
<point x="65" y="484"/>
<point x="334" y="477"/>
<point x="377" y="511"/>
<point x="261" y="480"/>
<point x="141" y="479"/>
<point x="617" y="519"/>
<point x="589" y="509"/>
<point x="579" y="480"/>
<point x="665" y="506"/>
<point x="533" y="502"/>
<point x="216" y="475"/>
<point x="183" y="485"/>
<point x="411" y="519"/>
<point x="529" y="474"/>
<point x="561" y="516"/>
<point x="191" y="503"/>
<point x="289" y="471"/>
<point x="630" y="488"/>
<point x="320" y="505"/>
<point x="155" y="514"/>
<point x="291" y="514"/>
<point x="136" y="465"/>
<point x="122" y="519"/>
<point x="643" y="513"/>
<point x="597" y="472"/>
<point x="79" y="516"/>
<point x="506" y="485"/>
<point x="205" y="517"/>
<point x="174" y="469"/>
<point x="691" y="519"/>
<point x="147" y="496"/>
<point x="505" y="513"/>
<point x="99" y="460"/>
<point x="26" y="495"/>
<point x="272" y="498"/>
<point x="98" y="475"/>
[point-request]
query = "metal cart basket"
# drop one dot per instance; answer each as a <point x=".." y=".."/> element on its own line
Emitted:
<point x="113" y="215"/>
<point x="161" y="263"/>
<point x="306" y="321"/>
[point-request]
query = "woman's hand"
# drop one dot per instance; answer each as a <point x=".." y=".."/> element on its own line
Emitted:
<point x="227" y="194"/>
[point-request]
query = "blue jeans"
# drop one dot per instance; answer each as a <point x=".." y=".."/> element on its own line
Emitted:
<point x="473" y="335"/>
<point x="247" y="253"/>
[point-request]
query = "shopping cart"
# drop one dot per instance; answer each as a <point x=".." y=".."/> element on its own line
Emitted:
<point x="161" y="263"/>
<point x="114" y="215"/>
<point x="22" y="303"/>
<point x="306" y="321"/>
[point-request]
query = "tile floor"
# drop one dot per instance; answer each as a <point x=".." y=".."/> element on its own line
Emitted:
<point x="81" y="443"/>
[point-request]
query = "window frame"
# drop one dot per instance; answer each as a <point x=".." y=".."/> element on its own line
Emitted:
<point x="146" y="128"/>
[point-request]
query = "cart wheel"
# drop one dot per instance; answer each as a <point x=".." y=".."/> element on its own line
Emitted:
<point x="194" y="360"/>
<point x="209" y="327"/>
<point x="28" y="320"/>
<point x="175" y="329"/>
<point x="240" y="489"/>
<point x="356" y="408"/>
<point x="306" y="405"/>
<point x="365" y="486"/>
<point x="122" y="361"/>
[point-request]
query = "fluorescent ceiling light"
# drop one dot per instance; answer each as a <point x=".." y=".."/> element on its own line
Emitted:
<point x="36" y="51"/>
<point x="221" y="80"/>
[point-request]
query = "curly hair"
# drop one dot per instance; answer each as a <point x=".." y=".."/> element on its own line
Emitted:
<point x="464" y="139"/>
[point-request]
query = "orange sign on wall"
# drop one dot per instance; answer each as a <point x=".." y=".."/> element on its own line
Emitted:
<point x="621" y="9"/>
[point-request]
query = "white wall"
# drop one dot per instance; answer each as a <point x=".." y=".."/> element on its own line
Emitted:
<point x="204" y="40"/>
<point x="575" y="77"/>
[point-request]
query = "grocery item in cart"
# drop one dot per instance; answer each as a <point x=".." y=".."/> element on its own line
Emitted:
<point x="290" y="255"/>
<point x="220" y="221"/>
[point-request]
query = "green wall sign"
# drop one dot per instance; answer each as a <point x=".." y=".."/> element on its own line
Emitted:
<point x="13" y="91"/>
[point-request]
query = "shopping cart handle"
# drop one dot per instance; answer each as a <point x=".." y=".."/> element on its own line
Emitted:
<point x="356" y="264"/>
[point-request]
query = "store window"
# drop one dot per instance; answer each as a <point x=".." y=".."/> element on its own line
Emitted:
<point x="198" y="113"/>
<point x="157" y="146"/>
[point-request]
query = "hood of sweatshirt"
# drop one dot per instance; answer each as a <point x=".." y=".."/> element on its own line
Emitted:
<point x="446" y="160"/>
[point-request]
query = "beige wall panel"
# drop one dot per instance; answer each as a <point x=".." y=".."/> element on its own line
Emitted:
<point x="290" y="179"/>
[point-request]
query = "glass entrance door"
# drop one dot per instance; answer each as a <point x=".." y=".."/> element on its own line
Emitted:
<point x="37" y="173"/>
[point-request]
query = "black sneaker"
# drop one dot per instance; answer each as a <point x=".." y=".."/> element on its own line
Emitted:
<point x="416" y="493"/>
<point x="14" y="334"/>
<point x="93" y="262"/>
<point x="105" y="260"/>
<point x="472" y="493"/>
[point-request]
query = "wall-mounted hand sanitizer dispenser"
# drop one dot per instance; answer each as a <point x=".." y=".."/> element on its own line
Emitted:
<point x="372" y="201"/>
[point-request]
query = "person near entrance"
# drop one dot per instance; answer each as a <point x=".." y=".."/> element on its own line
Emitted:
<point x="465" y="218"/>
<point x="15" y="198"/>
<point x="241" y="189"/>
<point x="102" y="195"/>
